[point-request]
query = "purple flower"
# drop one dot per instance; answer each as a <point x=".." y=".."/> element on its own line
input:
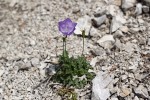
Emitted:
<point x="67" y="27"/>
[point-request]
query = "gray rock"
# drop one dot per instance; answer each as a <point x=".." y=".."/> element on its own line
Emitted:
<point x="118" y="34"/>
<point x="93" y="62"/>
<point x="129" y="47"/>
<point x="50" y="70"/>
<point x="107" y="41"/>
<point x="141" y="21"/>
<point x="124" y="29"/>
<point x="134" y="30"/>
<point x="126" y="4"/>
<point x="32" y="42"/>
<point x="124" y="91"/>
<point x="35" y="62"/>
<point x="94" y="32"/>
<point x="99" y="88"/>
<point x="142" y="90"/>
<point x="136" y="98"/>
<point x="117" y="22"/>
<point x="113" y="10"/>
<point x="99" y="20"/>
<point x="116" y="2"/>
<point x="98" y="51"/>
<point x="138" y="9"/>
<point x="118" y="44"/>
<point x="100" y="11"/>
<point x="124" y="77"/>
<point x="1" y="72"/>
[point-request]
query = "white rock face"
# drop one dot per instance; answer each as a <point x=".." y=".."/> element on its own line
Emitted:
<point x="83" y="23"/>
<point x="99" y="20"/>
<point x="138" y="10"/>
<point x="126" y="4"/>
<point x="117" y="22"/>
<point x="124" y="29"/>
<point x="99" y="88"/>
<point x="35" y="61"/>
<point x="114" y="2"/>
<point x="124" y="91"/>
<point x="106" y="38"/>
<point x="113" y="10"/>
<point x="106" y="41"/>
<point x="93" y="62"/>
<point x="142" y="90"/>
<point x="1" y="72"/>
<point x="118" y="44"/>
<point x="129" y="47"/>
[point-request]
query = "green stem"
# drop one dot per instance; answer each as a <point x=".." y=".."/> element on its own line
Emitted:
<point x="64" y="46"/>
<point x="65" y="42"/>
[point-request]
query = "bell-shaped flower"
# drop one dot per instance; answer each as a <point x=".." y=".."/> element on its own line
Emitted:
<point x="66" y="27"/>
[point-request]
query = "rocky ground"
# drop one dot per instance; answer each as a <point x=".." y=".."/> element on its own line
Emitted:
<point x="117" y="47"/>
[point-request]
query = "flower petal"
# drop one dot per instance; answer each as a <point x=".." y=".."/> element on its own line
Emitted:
<point x="67" y="27"/>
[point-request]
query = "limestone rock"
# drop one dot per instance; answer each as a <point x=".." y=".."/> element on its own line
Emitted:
<point x="138" y="9"/>
<point x="99" y="88"/>
<point x="113" y="10"/>
<point x="99" y="20"/>
<point x="125" y="91"/>
<point x="106" y="41"/>
<point x="126" y="4"/>
<point x="142" y="90"/>
<point x="124" y="29"/>
<point x="93" y="62"/>
<point x="117" y="22"/>
<point x="35" y="61"/>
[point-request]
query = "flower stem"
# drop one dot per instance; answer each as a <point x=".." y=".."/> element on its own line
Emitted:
<point x="64" y="46"/>
<point x="83" y="36"/>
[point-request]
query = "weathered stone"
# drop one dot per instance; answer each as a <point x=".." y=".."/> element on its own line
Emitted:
<point x="99" y="20"/>
<point x="106" y="41"/>
<point x="117" y="22"/>
<point x="138" y="9"/>
<point x="124" y="29"/>
<point x="125" y="91"/>
<point x="35" y="61"/>
<point x="99" y="88"/>
<point x="126" y="4"/>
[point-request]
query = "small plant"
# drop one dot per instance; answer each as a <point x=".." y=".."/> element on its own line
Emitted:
<point x="67" y="93"/>
<point x="72" y="71"/>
